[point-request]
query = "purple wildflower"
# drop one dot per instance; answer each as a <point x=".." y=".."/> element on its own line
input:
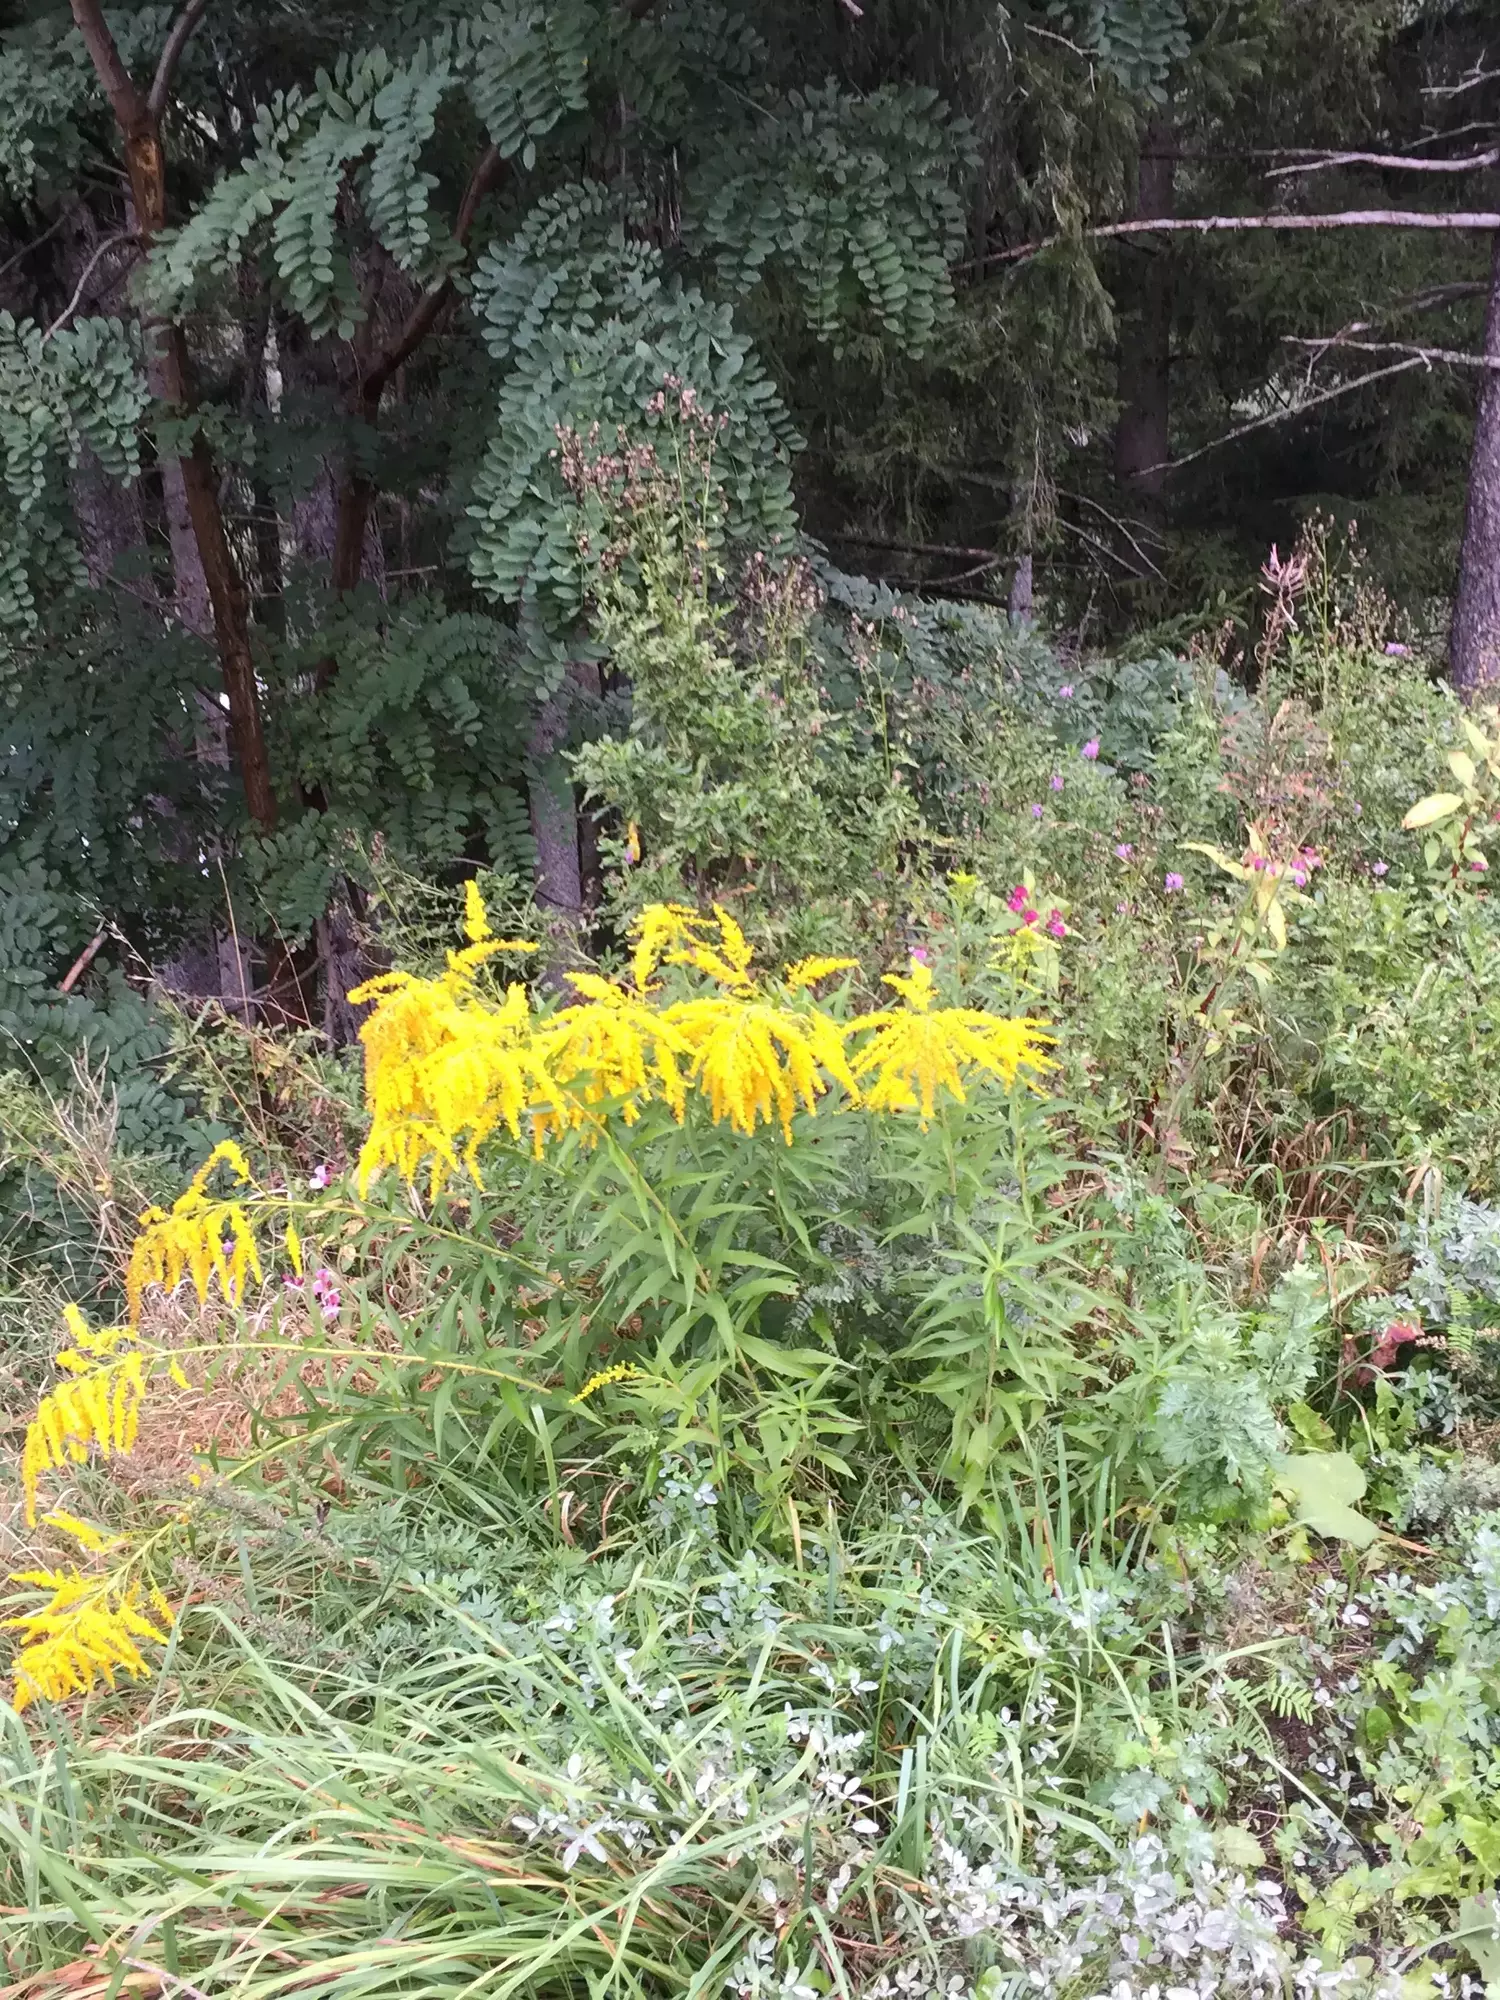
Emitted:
<point x="1124" y="851"/>
<point x="1091" y="748"/>
<point x="1036" y="812"/>
<point x="1172" y="884"/>
<point x="1055" y="781"/>
<point x="1381" y="868"/>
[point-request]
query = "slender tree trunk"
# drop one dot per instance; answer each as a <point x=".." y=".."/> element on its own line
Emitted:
<point x="1142" y="440"/>
<point x="555" y="819"/>
<point x="1474" y="646"/>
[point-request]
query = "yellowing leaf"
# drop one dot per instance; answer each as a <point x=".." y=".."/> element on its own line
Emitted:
<point x="1221" y="860"/>
<point x="1427" y="812"/>
<point x="1461" y="764"/>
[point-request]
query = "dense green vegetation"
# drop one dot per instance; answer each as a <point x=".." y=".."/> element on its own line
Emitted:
<point x="749" y="1134"/>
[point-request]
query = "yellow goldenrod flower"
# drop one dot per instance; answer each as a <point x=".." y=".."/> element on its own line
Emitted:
<point x="623" y="1372"/>
<point x="755" y="1061"/>
<point x="808" y="971"/>
<point x="86" y="1632"/>
<point x="916" y="1050"/>
<point x="202" y="1238"/>
<point x="98" y="1406"/>
<point x="660" y="928"/>
<point x="476" y="918"/>
<point x="615" y="1047"/>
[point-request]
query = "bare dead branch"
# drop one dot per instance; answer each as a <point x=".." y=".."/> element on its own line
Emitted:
<point x="1475" y="80"/>
<point x="171" y="55"/>
<point x="1292" y="411"/>
<point x="101" y="250"/>
<point x="1446" y="356"/>
<point x="1392" y="162"/>
<point x="1465" y="221"/>
<point x="82" y="963"/>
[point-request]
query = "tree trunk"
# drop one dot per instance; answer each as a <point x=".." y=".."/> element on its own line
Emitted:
<point x="1474" y="645"/>
<point x="1142" y="441"/>
<point x="139" y="121"/>
<point x="555" y="820"/>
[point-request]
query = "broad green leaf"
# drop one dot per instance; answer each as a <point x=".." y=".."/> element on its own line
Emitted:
<point x="1427" y="812"/>
<point x="1476" y="1932"/>
<point x="1461" y="764"/>
<point x="1323" y="1487"/>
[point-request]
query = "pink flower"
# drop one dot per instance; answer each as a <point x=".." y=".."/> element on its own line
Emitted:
<point x="1381" y="868"/>
<point x="1478" y="867"/>
<point x="1299" y="876"/>
<point x="1055" y="925"/>
<point x="1018" y="898"/>
<point x="1172" y="884"/>
<point x="1028" y="916"/>
<point x="320" y="1177"/>
<point x="1091" y="748"/>
<point x="919" y="956"/>
<point x="1036" y="812"/>
<point x="1121" y="908"/>
<point x="1055" y="781"/>
<point x="1124" y="851"/>
<point x="1065" y="692"/>
<point x="1395" y="651"/>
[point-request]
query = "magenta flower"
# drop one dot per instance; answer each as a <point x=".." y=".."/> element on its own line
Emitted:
<point x="1055" y="925"/>
<point x="1018" y="898"/>
<point x="1172" y="884"/>
<point x="1055" y="781"/>
<point x="1124" y="851"/>
<point x="1036" y="812"/>
<point x="321" y="1177"/>
<point x="1091" y="748"/>
<point x="1065" y="692"/>
<point x="919" y="956"/>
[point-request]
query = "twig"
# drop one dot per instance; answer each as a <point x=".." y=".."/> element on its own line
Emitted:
<point x="36" y="243"/>
<point x="1392" y="162"/>
<point x="1285" y="416"/>
<point x="176" y="42"/>
<point x="1115" y="522"/>
<point x="100" y="250"/>
<point x="1463" y="220"/>
<point x="82" y="963"/>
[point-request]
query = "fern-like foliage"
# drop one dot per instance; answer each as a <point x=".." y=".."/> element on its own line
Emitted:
<point x="852" y="201"/>
<point x="83" y="385"/>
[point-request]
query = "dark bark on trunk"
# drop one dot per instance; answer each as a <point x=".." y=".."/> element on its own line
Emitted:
<point x="555" y="821"/>
<point x="1474" y="646"/>
<point x="139" y="122"/>
<point x="1142" y="443"/>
